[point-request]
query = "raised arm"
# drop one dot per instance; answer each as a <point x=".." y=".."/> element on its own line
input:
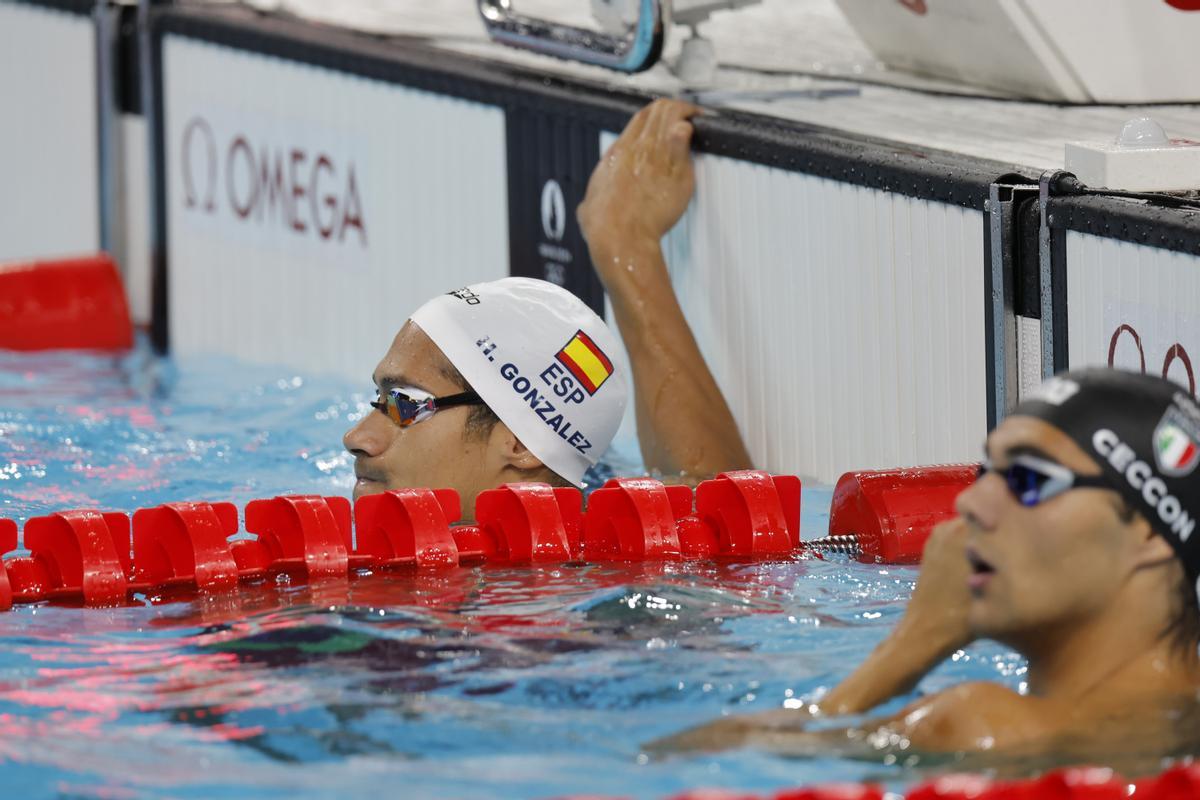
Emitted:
<point x="637" y="193"/>
<point x="934" y="625"/>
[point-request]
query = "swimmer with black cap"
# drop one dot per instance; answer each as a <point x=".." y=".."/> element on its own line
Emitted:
<point x="1077" y="546"/>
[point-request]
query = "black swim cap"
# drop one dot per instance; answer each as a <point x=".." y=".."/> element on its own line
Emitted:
<point x="1144" y="432"/>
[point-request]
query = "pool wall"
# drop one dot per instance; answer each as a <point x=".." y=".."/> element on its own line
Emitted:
<point x="1132" y="287"/>
<point x="862" y="302"/>
<point x="49" y="149"/>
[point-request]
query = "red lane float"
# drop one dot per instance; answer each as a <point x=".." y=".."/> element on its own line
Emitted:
<point x="753" y="513"/>
<point x="185" y="544"/>
<point x="307" y="533"/>
<point x="72" y="304"/>
<point x="74" y="555"/>
<point x="1076" y="783"/>
<point x="890" y="513"/>
<point x="407" y="527"/>
<point x="743" y="514"/>
<point x="8" y="543"/>
<point x="635" y="519"/>
<point x="93" y="558"/>
<point x="530" y="523"/>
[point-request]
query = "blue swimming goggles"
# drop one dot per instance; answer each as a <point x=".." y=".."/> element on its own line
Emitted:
<point x="1034" y="480"/>
<point x="409" y="406"/>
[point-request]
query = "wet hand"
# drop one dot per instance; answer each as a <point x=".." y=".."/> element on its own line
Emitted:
<point x="729" y="733"/>
<point x="643" y="184"/>
<point x="940" y="601"/>
<point x="723" y="734"/>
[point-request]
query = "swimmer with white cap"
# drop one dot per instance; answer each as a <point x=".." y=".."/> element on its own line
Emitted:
<point x="1077" y="547"/>
<point x="517" y="380"/>
<point x="501" y="382"/>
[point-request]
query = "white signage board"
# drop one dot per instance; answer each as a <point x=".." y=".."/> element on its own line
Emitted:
<point x="309" y="212"/>
<point x="1133" y="307"/>
<point x="49" y="146"/>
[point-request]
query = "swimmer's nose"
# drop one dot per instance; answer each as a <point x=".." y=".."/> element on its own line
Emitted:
<point x="370" y="436"/>
<point x="978" y="503"/>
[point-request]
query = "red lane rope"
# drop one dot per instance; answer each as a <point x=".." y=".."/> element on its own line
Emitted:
<point x="1077" y="783"/>
<point x="101" y="558"/>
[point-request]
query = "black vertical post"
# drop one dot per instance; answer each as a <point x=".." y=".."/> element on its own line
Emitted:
<point x="550" y="158"/>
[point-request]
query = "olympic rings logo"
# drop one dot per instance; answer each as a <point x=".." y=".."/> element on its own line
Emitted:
<point x="1175" y="352"/>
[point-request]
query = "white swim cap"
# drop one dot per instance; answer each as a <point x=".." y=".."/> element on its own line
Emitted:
<point x="541" y="359"/>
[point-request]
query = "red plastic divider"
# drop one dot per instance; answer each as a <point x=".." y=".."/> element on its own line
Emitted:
<point x="893" y="511"/>
<point x="843" y="791"/>
<point x="1081" y="783"/>
<point x="1178" y="783"/>
<point x="752" y="513"/>
<point x="952" y="787"/>
<point x="302" y="532"/>
<point x="74" y="555"/>
<point x="846" y="791"/>
<point x="1077" y="783"/>
<point x="528" y="522"/>
<point x="407" y="526"/>
<point x="634" y="519"/>
<point x="185" y="544"/>
<point x="743" y="514"/>
<point x="8" y="543"/>
<point x="68" y="304"/>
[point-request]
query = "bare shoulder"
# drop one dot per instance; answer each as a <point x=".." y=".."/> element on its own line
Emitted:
<point x="978" y="716"/>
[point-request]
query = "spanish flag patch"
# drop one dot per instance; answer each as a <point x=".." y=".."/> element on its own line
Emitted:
<point x="586" y="362"/>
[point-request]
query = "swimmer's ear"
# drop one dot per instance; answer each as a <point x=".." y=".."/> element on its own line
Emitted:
<point x="1153" y="550"/>
<point x="513" y="451"/>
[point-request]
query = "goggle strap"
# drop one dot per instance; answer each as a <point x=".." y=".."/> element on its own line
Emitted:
<point x="461" y="399"/>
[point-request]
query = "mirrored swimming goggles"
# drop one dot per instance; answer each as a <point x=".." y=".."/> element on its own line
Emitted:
<point x="409" y="406"/>
<point x="1034" y="480"/>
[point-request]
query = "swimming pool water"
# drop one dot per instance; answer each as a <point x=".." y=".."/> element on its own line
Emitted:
<point x="474" y="682"/>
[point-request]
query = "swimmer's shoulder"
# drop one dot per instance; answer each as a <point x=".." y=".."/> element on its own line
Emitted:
<point x="979" y="716"/>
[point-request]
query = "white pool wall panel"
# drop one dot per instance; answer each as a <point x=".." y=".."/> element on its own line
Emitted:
<point x="429" y="188"/>
<point x="49" y="152"/>
<point x="1153" y="291"/>
<point x="131" y="244"/>
<point x="845" y="325"/>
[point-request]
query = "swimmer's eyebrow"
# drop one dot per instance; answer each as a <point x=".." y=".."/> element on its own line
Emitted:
<point x="1028" y="450"/>
<point x="386" y="382"/>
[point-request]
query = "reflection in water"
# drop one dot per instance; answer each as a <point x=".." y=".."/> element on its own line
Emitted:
<point x="408" y="674"/>
<point x="402" y="665"/>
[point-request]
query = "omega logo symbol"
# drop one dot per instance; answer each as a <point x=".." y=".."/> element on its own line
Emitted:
<point x="1185" y="5"/>
<point x="287" y="187"/>
<point x="554" y="211"/>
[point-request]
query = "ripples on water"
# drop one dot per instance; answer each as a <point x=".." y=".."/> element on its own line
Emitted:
<point x="465" y="683"/>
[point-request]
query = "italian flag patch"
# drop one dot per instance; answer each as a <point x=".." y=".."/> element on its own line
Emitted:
<point x="1174" y="449"/>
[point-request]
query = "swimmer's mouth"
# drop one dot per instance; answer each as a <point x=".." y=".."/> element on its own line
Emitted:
<point x="366" y="477"/>
<point x="981" y="571"/>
